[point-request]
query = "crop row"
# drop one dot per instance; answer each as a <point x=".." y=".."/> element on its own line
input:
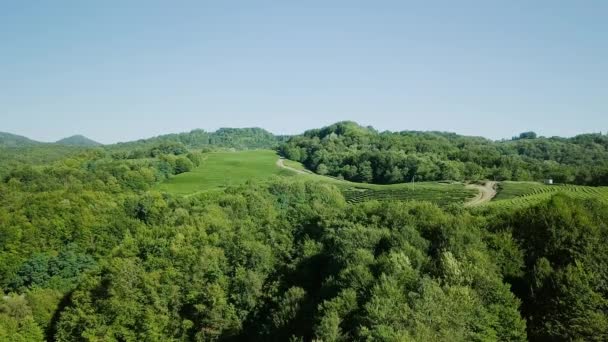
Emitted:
<point x="570" y="188"/>
<point x="543" y="193"/>
<point x="442" y="196"/>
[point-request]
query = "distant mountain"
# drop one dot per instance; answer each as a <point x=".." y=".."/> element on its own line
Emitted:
<point x="13" y="140"/>
<point x="78" y="140"/>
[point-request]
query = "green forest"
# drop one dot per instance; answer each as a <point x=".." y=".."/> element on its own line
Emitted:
<point x="93" y="247"/>
<point x="350" y="151"/>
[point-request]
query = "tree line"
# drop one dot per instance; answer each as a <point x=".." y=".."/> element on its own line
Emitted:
<point x="362" y="154"/>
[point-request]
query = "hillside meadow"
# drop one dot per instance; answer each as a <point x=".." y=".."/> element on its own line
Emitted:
<point x="223" y="169"/>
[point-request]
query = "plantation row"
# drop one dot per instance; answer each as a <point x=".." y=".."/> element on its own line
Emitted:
<point x="440" y="195"/>
<point x="587" y="190"/>
<point x="538" y="194"/>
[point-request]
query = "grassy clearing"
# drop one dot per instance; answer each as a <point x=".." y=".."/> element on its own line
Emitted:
<point x="223" y="169"/>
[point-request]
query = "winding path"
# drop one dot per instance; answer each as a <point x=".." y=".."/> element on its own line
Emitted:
<point x="486" y="193"/>
<point x="281" y="164"/>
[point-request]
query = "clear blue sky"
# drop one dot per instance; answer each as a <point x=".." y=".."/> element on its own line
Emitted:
<point x="122" y="70"/>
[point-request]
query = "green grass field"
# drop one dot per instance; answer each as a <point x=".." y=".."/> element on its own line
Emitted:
<point x="222" y="169"/>
<point x="519" y="194"/>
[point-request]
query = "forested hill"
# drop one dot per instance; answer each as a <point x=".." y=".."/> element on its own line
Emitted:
<point x="78" y="140"/>
<point x="238" y="138"/>
<point x="16" y="150"/>
<point x="12" y="140"/>
<point x="362" y="154"/>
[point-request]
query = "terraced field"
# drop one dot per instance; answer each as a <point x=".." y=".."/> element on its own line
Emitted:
<point x="510" y="190"/>
<point x="518" y="194"/>
<point x="439" y="193"/>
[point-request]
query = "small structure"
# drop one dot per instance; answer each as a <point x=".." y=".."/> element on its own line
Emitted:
<point x="549" y="181"/>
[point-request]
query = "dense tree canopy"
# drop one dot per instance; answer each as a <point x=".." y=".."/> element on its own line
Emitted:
<point x="361" y="154"/>
<point x="89" y="251"/>
<point x="239" y="138"/>
<point x="563" y="283"/>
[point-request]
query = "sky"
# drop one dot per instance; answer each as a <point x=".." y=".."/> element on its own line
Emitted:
<point x="124" y="70"/>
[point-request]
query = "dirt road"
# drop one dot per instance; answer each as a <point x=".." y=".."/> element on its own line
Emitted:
<point x="281" y="164"/>
<point x="486" y="193"/>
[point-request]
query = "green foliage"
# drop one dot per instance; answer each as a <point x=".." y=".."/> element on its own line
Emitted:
<point x="36" y="154"/>
<point x="59" y="272"/>
<point x="16" y="321"/>
<point x="89" y="252"/>
<point x="238" y="138"/>
<point x="183" y="164"/>
<point x="527" y="135"/>
<point x="44" y="303"/>
<point x="361" y="154"/>
<point x="368" y="274"/>
<point x="563" y="281"/>
<point x="285" y="260"/>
